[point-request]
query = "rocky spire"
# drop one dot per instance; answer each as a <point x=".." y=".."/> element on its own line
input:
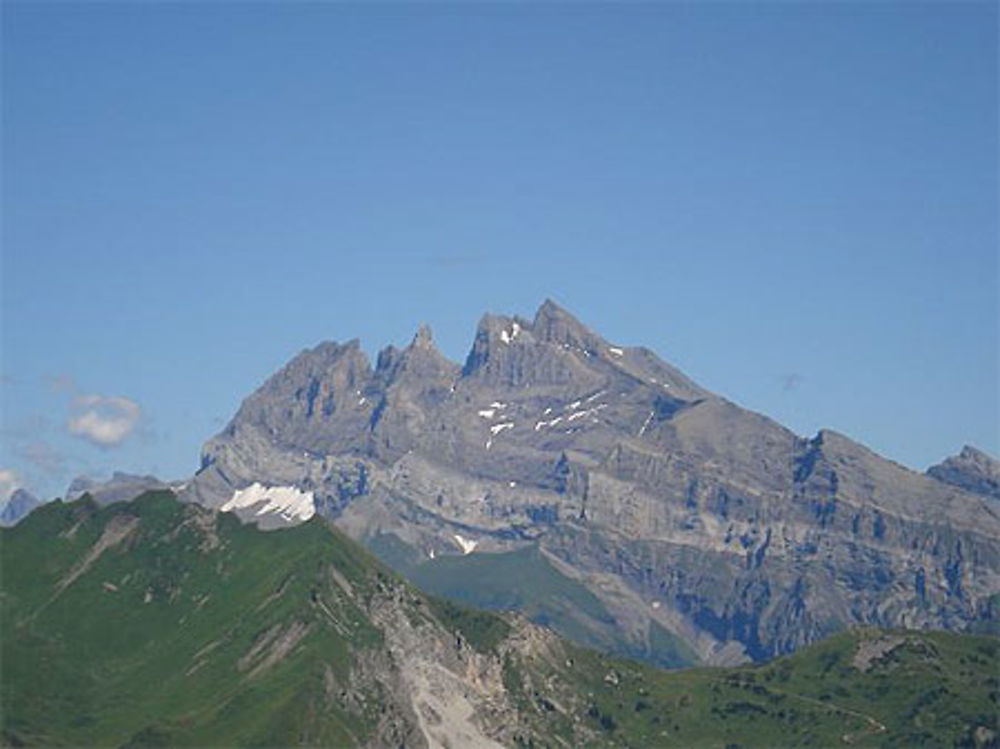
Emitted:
<point x="555" y="325"/>
<point x="492" y="330"/>
<point x="423" y="338"/>
<point x="421" y="358"/>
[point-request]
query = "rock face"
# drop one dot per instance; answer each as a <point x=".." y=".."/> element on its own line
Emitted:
<point x="971" y="469"/>
<point x="20" y="503"/>
<point x="674" y="506"/>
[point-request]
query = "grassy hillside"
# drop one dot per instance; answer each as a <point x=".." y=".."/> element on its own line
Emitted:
<point x="152" y="623"/>
<point x="929" y="689"/>
<point x="151" y="641"/>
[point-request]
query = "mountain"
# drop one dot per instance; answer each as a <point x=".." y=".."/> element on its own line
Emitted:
<point x="19" y="504"/>
<point x="154" y="623"/>
<point x="972" y="470"/>
<point x="637" y="511"/>
<point x="119" y="488"/>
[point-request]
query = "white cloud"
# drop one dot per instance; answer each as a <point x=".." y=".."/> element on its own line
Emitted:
<point x="9" y="481"/>
<point x="105" y="420"/>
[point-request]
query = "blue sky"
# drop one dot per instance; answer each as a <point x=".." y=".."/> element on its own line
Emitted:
<point x="794" y="203"/>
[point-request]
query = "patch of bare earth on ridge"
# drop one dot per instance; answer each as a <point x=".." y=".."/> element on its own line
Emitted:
<point x="871" y="650"/>
<point x="272" y="647"/>
<point x="117" y="530"/>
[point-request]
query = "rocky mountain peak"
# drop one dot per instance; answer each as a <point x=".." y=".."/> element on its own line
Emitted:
<point x="614" y="462"/>
<point x="493" y="334"/>
<point x="424" y="338"/>
<point x="331" y="361"/>
<point x="316" y="395"/>
<point x="974" y="455"/>
<point x="510" y="352"/>
<point x="18" y="505"/>
<point x="421" y="360"/>
<point x="554" y="324"/>
<point x="551" y="325"/>
<point x="971" y="469"/>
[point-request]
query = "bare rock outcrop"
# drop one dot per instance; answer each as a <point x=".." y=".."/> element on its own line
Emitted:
<point x="746" y="535"/>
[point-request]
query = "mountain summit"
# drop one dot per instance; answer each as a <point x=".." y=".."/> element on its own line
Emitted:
<point x="666" y="522"/>
<point x="19" y="504"/>
<point x="971" y="469"/>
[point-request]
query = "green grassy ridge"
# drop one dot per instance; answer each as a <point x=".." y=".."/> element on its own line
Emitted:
<point x="94" y="665"/>
<point x="99" y="667"/>
<point x="936" y="689"/>
<point x="144" y="647"/>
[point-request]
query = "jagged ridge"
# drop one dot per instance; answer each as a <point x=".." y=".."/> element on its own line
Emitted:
<point x="678" y="509"/>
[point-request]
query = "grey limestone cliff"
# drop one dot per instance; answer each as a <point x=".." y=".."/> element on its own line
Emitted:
<point x="675" y="507"/>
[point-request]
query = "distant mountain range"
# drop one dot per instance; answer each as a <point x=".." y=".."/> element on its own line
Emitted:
<point x="604" y="493"/>
<point x="153" y="623"/>
<point x="121" y="487"/>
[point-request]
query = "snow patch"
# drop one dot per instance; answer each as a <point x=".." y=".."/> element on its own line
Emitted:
<point x="549" y="423"/>
<point x="588" y="412"/>
<point x="497" y="428"/>
<point x="489" y="413"/>
<point x="615" y="350"/>
<point x="645" y="424"/>
<point x="467" y="544"/>
<point x="287" y="501"/>
<point x="508" y="337"/>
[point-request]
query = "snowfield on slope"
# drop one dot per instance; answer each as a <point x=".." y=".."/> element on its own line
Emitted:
<point x="287" y="501"/>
